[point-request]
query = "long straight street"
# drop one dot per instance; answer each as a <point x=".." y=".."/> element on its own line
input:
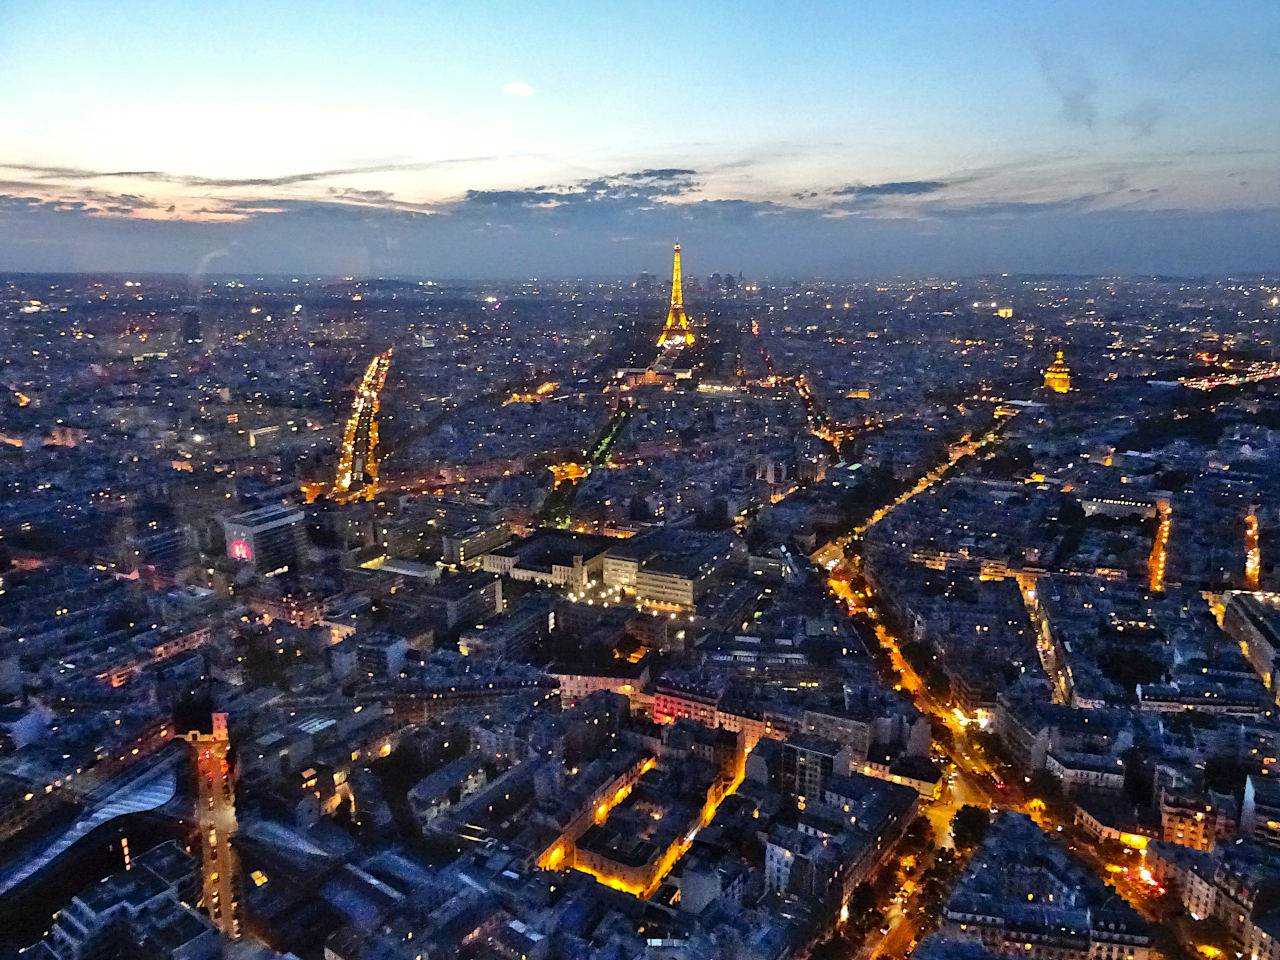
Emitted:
<point x="973" y="777"/>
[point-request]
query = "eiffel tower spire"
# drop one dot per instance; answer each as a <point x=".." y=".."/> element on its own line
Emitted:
<point x="676" y="332"/>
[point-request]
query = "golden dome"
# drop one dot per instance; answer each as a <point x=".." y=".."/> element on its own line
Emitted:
<point x="1058" y="377"/>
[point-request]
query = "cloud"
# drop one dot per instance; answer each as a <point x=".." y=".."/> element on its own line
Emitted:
<point x="518" y="88"/>
<point x="661" y="173"/>
<point x="1143" y="117"/>
<point x="9" y="203"/>
<point x="338" y="208"/>
<point x="644" y="186"/>
<point x="893" y="188"/>
<point x="188" y="180"/>
<point x="612" y="234"/>
<point x="1009" y="209"/>
<point x="376" y="197"/>
<point x="562" y="226"/>
<point x="1075" y="89"/>
<point x="79" y="201"/>
<point x="513" y="198"/>
<point x="638" y="187"/>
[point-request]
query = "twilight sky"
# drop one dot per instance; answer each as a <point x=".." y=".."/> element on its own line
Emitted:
<point x="506" y="139"/>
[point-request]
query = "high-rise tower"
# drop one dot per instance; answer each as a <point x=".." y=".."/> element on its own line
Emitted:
<point x="216" y="814"/>
<point x="189" y="334"/>
<point x="358" y="464"/>
<point x="676" y="332"/>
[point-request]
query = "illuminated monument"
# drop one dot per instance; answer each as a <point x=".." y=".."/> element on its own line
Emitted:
<point x="358" y="466"/>
<point x="1058" y="377"/>
<point x="676" y="332"/>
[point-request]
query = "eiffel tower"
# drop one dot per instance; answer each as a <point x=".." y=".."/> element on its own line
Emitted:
<point x="676" y="332"/>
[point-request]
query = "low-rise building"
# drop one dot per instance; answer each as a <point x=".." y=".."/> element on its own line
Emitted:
<point x="1023" y="894"/>
<point x="552" y="558"/>
<point x="461" y="601"/>
<point x="437" y="793"/>
<point x="465" y="547"/>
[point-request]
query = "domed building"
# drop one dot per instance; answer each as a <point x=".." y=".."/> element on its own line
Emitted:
<point x="1058" y="377"/>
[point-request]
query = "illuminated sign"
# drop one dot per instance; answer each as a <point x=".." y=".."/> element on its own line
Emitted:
<point x="240" y="550"/>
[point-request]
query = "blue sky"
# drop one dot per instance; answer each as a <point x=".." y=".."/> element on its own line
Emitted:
<point x="509" y="139"/>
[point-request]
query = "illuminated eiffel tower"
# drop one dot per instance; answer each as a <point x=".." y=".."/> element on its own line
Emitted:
<point x="676" y="332"/>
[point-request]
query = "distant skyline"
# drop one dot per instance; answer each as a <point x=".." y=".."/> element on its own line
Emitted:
<point x="502" y="140"/>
